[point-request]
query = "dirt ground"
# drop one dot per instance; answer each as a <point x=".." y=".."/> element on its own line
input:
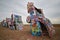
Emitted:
<point x="7" y="34"/>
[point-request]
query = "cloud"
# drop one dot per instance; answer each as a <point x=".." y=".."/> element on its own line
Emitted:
<point x="55" y="20"/>
<point x="51" y="8"/>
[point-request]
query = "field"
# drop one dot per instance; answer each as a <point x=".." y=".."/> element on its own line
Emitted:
<point x="7" y="34"/>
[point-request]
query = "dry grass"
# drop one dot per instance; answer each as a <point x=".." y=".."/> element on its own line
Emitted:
<point x="7" y="34"/>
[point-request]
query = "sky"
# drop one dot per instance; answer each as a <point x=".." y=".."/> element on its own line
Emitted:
<point x="51" y="9"/>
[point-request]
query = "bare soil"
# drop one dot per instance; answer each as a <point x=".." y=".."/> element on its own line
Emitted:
<point x="8" y="34"/>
